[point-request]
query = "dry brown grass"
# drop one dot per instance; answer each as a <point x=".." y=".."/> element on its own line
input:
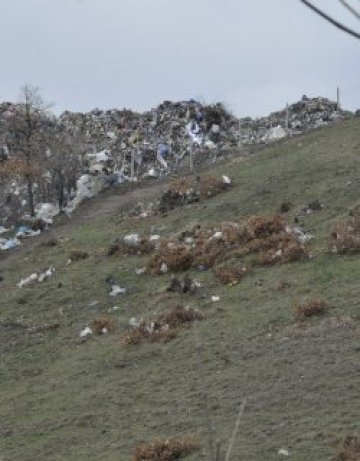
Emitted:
<point x="283" y="247"/>
<point x="345" y="236"/>
<point x="162" y="327"/>
<point x="268" y="237"/>
<point x="349" y="449"/>
<point x="103" y="324"/>
<point x="316" y="306"/>
<point x="182" y="185"/>
<point x="209" y="186"/>
<point x="145" y="246"/>
<point x="176" y="256"/>
<point x="165" y="449"/>
<point x="230" y="275"/>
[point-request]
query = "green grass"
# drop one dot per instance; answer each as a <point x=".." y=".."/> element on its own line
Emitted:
<point x="62" y="399"/>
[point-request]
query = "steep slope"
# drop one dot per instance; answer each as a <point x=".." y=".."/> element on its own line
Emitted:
<point x="63" y="398"/>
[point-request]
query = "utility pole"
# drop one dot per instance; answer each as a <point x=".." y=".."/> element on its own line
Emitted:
<point x="338" y="106"/>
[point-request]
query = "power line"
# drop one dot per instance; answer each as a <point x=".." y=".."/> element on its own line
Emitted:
<point x="350" y="8"/>
<point x="332" y="21"/>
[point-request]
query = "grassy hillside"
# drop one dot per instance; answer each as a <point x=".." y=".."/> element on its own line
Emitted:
<point x="62" y="398"/>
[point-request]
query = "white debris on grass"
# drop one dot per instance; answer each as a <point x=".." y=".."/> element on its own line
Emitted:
<point x="164" y="268"/>
<point x="226" y="179"/>
<point x="45" y="275"/>
<point x="85" y="332"/>
<point x="134" y="322"/>
<point x="117" y="290"/>
<point x="214" y="298"/>
<point x="29" y="233"/>
<point x="303" y="237"/>
<point x="218" y="235"/>
<point x="9" y="244"/>
<point x="27" y="280"/>
<point x="132" y="239"/>
<point x="36" y="277"/>
<point x="114" y="309"/>
<point x="140" y="271"/>
<point x="154" y="238"/>
<point x="283" y="452"/>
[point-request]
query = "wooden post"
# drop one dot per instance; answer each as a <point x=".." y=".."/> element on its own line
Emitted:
<point x="191" y="157"/>
<point x="338" y="98"/>
<point x="240" y="137"/>
<point x="287" y="118"/>
<point x="132" y="165"/>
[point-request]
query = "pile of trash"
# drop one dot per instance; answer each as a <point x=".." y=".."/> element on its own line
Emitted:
<point x="122" y="145"/>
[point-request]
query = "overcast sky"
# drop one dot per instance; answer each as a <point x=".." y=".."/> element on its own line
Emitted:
<point x="254" y="55"/>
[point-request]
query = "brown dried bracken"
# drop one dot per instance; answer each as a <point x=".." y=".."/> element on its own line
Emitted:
<point x="316" y="306"/>
<point x="162" y="327"/>
<point x="165" y="449"/>
<point x="103" y="324"/>
<point x="349" y="449"/>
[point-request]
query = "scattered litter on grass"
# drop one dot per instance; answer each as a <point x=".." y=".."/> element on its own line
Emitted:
<point x="184" y="285"/>
<point x="117" y="290"/>
<point x="36" y="277"/>
<point x="215" y="299"/>
<point x="87" y="331"/>
<point x="140" y="271"/>
<point x="283" y="452"/>
<point x="133" y="244"/>
<point x="161" y="327"/>
<point x="9" y="244"/>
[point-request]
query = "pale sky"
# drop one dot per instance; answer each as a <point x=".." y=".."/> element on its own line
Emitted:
<point x="254" y="55"/>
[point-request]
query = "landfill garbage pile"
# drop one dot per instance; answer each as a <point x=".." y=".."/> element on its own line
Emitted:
<point x="302" y="116"/>
<point x="155" y="142"/>
<point x="122" y="145"/>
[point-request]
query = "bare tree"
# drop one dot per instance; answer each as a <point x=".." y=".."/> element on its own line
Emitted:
<point x="26" y="137"/>
<point x="63" y="165"/>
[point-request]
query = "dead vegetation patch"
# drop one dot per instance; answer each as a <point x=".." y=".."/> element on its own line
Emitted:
<point x="228" y="275"/>
<point x="345" y="235"/>
<point x="313" y="307"/>
<point x="165" y="449"/>
<point x="171" y="256"/>
<point x="162" y="327"/>
<point x="269" y="238"/>
<point x="349" y="449"/>
<point x="103" y="324"/>
<point x="188" y="190"/>
<point x="143" y="247"/>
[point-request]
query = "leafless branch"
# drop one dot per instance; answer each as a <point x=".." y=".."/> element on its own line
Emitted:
<point x="332" y="21"/>
<point x="350" y="8"/>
